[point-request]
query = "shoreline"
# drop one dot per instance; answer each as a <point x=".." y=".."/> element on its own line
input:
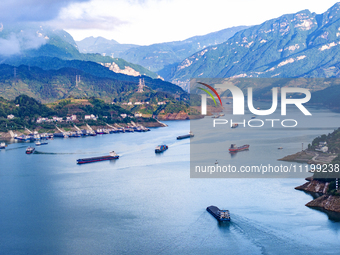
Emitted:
<point x="322" y="199"/>
<point x="318" y="189"/>
<point x="309" y="157"/>
<point x="7" y="135"/>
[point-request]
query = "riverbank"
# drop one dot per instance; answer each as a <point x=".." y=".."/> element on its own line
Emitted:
<point x="310" y="157"/>
<point x="320" y="191"/>
<point x="8" y="135"/>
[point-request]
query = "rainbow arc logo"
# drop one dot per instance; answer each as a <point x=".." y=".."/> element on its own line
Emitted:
<point x="204" y="101"/>
<point x="209" y="93"/>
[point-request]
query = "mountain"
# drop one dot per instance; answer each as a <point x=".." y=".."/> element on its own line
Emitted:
<point x="329" y="96"/>
<point x="94" y="69"/>
<point x="303" y="44"/>
<point x="158" y="56"/>
<point x="103" y="46"/>
<point x="23" y="42"/>
<point x="95" y="81"/>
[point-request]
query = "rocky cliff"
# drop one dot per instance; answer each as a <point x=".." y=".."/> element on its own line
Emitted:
<point x="323" y="199"/>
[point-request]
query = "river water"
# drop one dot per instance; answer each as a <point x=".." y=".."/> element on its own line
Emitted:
<point x="145" y="203"/>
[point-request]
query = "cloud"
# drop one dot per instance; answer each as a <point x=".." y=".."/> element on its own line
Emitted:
<point x="9" y="46"/>
<point x="86" y="21"/>
<point x="15" y="43"/>
<point x="32" y="10"/>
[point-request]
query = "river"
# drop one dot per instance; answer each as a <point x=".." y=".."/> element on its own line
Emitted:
<point x="146" y="203"/>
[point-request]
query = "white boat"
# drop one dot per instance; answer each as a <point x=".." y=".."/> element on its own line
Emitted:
<point x="40" y="143"/>
<point x="3" y="145"/>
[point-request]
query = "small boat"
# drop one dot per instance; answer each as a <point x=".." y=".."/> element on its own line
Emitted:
<point x="258" y="108"/>
<point x="100" y="132"/>
<point x="222" y="114"/>
<point x="40" y="143"/>
<point x="228" y="103"/>
<point x="215" y="116"/>
<point x="234" y="125"/>
<point x="253" y="117"/>
<point x="3" y="145"/>
<point x="280" y="148"/>
<point x="185" y="136"/>
<point x="216" y="162"/>
<point x="112" y="155"/>
<point x="161" y="148"/>
<point x="30" y="150"/>
<point x="234" y="148"/>
<point x="220" y="215"/>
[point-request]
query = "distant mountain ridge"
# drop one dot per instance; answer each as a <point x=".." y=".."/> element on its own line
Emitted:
<point x="303" y="44"/>
<point x="103" y="46"/>
<point x="38" y="41"/>
<point x="156" y="56"/>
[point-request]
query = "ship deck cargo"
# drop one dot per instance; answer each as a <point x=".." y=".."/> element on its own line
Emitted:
<point x="161" y="148"/>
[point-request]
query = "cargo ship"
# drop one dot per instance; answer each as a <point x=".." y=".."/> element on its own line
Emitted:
<point x="220" y="215"/>
<point x="161" y="148"/>
<point x="234" y="148"/>
<point x="112" y="155"/>
<point x="185" y="136"/>
<point x="30" y="150"/>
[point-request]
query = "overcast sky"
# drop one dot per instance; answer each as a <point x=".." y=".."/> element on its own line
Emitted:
<point x="146" y="22"/>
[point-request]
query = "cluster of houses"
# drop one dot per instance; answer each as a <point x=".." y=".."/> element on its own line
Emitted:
<point x="124" y="115"/>
<point x="56" y="119"/>
<point x="90" y="117"/>
<point x="74" y="117"/>
<point x="322" y="147"/>
<point x="142" y="103"/>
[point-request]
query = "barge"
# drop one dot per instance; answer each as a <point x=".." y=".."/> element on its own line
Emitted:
<point x="185" y="136"/>
<point x="112" y="155"/>
<point x="220" y="215"/>
<point x="161" y="148"/>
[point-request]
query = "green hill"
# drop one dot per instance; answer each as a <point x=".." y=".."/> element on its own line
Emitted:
<point x="52" y="85"/>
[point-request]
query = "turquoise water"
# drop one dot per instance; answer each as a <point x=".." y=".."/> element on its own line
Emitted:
<point x="146" y="203"/>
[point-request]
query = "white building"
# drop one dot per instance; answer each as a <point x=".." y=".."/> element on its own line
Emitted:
<point x="322" y="147"/>
<point x="11" y="116"/>
<point x="90" y="117"/>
